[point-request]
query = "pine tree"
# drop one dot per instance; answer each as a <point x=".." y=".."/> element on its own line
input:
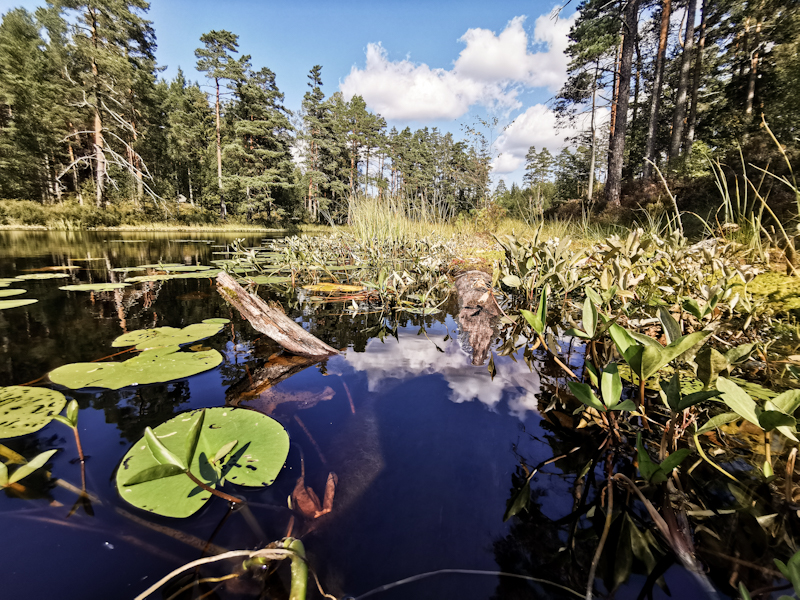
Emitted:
<point x="215" y="60"/>
<point x="114" y="48"/>
<point x="258" y="158"/>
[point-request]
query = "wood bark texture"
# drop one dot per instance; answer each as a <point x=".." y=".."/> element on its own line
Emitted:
<point x="271" y="321"/>
<point x="616" y="148"/>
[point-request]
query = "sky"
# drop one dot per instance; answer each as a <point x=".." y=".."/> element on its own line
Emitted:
<point x="418" y="63"/>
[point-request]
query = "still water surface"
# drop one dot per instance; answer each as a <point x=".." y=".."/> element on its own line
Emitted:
<point x="424" y="443"/>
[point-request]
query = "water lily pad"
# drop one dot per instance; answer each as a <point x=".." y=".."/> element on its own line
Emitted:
<point x="56" y="268"/>
<point x="186" y="268"/>
<point x="332" y="287"/>
<point x="266" y="279"/>
<point x="261" y="450"/>
<point x="159" y="266"/>
<point x="161" y="337"/>
<point x="153" y="366"/>
<point x="27" y="409"/>
<point x="217" y="321"/>
<point x="94" y="287"/>
<point x="4" y="304"/>
<point x="43" y="276"/>
<point x="126" y="269"/>
<point x="8" y="280"/>
<point x="11" y="292"/>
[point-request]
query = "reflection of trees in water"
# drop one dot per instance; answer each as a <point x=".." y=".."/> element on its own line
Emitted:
<point x="133" y="409"/>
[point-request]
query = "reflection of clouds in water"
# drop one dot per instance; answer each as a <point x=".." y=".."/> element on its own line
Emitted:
<point x="415" y="356"/>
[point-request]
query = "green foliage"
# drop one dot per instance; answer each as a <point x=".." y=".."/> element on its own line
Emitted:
<point x="25" y="410"/>
<point x="161" y="337"/>
<point x="214" y="445"/>
<point x="151" y="366"/>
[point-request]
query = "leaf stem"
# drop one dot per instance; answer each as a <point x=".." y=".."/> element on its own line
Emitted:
<point x="208" y="488"/>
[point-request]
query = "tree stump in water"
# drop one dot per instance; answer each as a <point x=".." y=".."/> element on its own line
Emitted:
<point x="271" y="321"/>
<point x="478" y="312"/>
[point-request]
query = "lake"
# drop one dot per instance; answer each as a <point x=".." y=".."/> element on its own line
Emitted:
<point x="427" y="447"/>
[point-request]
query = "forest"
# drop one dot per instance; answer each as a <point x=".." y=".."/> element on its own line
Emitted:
<point x="675" y="89"/>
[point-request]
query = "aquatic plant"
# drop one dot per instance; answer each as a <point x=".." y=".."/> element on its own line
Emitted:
<point x="176" y="467"/>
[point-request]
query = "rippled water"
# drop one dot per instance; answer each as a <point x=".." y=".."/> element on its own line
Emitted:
<point x="424" y="443"/>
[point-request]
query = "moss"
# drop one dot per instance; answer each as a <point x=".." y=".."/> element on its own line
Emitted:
<point x="782" y="292"/>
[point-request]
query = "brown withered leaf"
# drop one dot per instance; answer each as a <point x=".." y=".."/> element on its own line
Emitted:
<point x="305" y="500"/>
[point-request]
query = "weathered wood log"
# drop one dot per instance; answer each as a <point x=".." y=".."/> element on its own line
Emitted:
<point x="271" y="321"/>
<point x="478" y="313"/>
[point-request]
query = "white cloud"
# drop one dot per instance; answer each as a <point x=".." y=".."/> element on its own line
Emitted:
<point x="388" y="362"/>
<point x="490" y="71"/>
<point x="535" y="127"/>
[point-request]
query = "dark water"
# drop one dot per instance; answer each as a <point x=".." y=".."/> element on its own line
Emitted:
<point x="424" y="444"/>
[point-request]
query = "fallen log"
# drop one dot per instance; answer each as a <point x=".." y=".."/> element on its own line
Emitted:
<point x="478" y="313"/>
<point x="271" y="321"/>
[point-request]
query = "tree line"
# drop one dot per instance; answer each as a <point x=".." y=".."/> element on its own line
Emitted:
<point x="85" y="114"/>
<point x="678" y="74"/>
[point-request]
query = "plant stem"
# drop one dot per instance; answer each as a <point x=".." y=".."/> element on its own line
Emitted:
<point x="207" y="488"/>
<point x="603" y="538"/>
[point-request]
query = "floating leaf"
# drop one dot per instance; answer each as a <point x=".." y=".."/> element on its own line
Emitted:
<point x="186" y="268"/>
<point x="9" y="280"/>
<point x="329" y="288"/>
<point x="94" y="287"/>
<point x="162" y="337"/>
<point x="217" y="321"/>
<point x="153" y="366"/>
<point x="262" y="451"/>
<point x="268" y="279"/>
<point x="43" y="276"/>
<point x="4" y="304"/>
<point x="11" y="292"/>
<point x="27" y="409"/>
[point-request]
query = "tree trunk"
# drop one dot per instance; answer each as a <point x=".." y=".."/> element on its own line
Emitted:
<point x="698" y="67"/>
<point x="679" y="116"/>
<point x="191" y="192"/>
<point x="222" y="210"/>
<point x="616" y="149"/>
<point x="751" y="80"/>
<point x="590" y="193"/>
<point x="75" y="173"/>
<point x="99" y="155"/>
<point x="652" y="127"/>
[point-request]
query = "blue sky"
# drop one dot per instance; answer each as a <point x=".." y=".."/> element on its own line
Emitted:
<point x="417" y="63"/>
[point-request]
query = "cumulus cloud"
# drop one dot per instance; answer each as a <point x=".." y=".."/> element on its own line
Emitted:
<point x="535" y="127"/>
<point x="490" y="71"/>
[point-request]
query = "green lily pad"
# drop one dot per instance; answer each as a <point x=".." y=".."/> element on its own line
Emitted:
<point x="330" y="288"/>
<point x="255" y="461"/>
<point x="94" y="287"/>
<point x="11" y="292"/>
<point x="186" y="268"/>
<point x="266" y="279"/>
<point x="43" y="276"/>
<point x="27" y="409"/>
<point x="4" y="304"/>
<point x="126" y="269"/>
<point x="158" y="266"/>
<point x="217" y="321"/>
<point x="161" y="337"/>
<point x="7" y="280"/>
<point x="152" y="366"/>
